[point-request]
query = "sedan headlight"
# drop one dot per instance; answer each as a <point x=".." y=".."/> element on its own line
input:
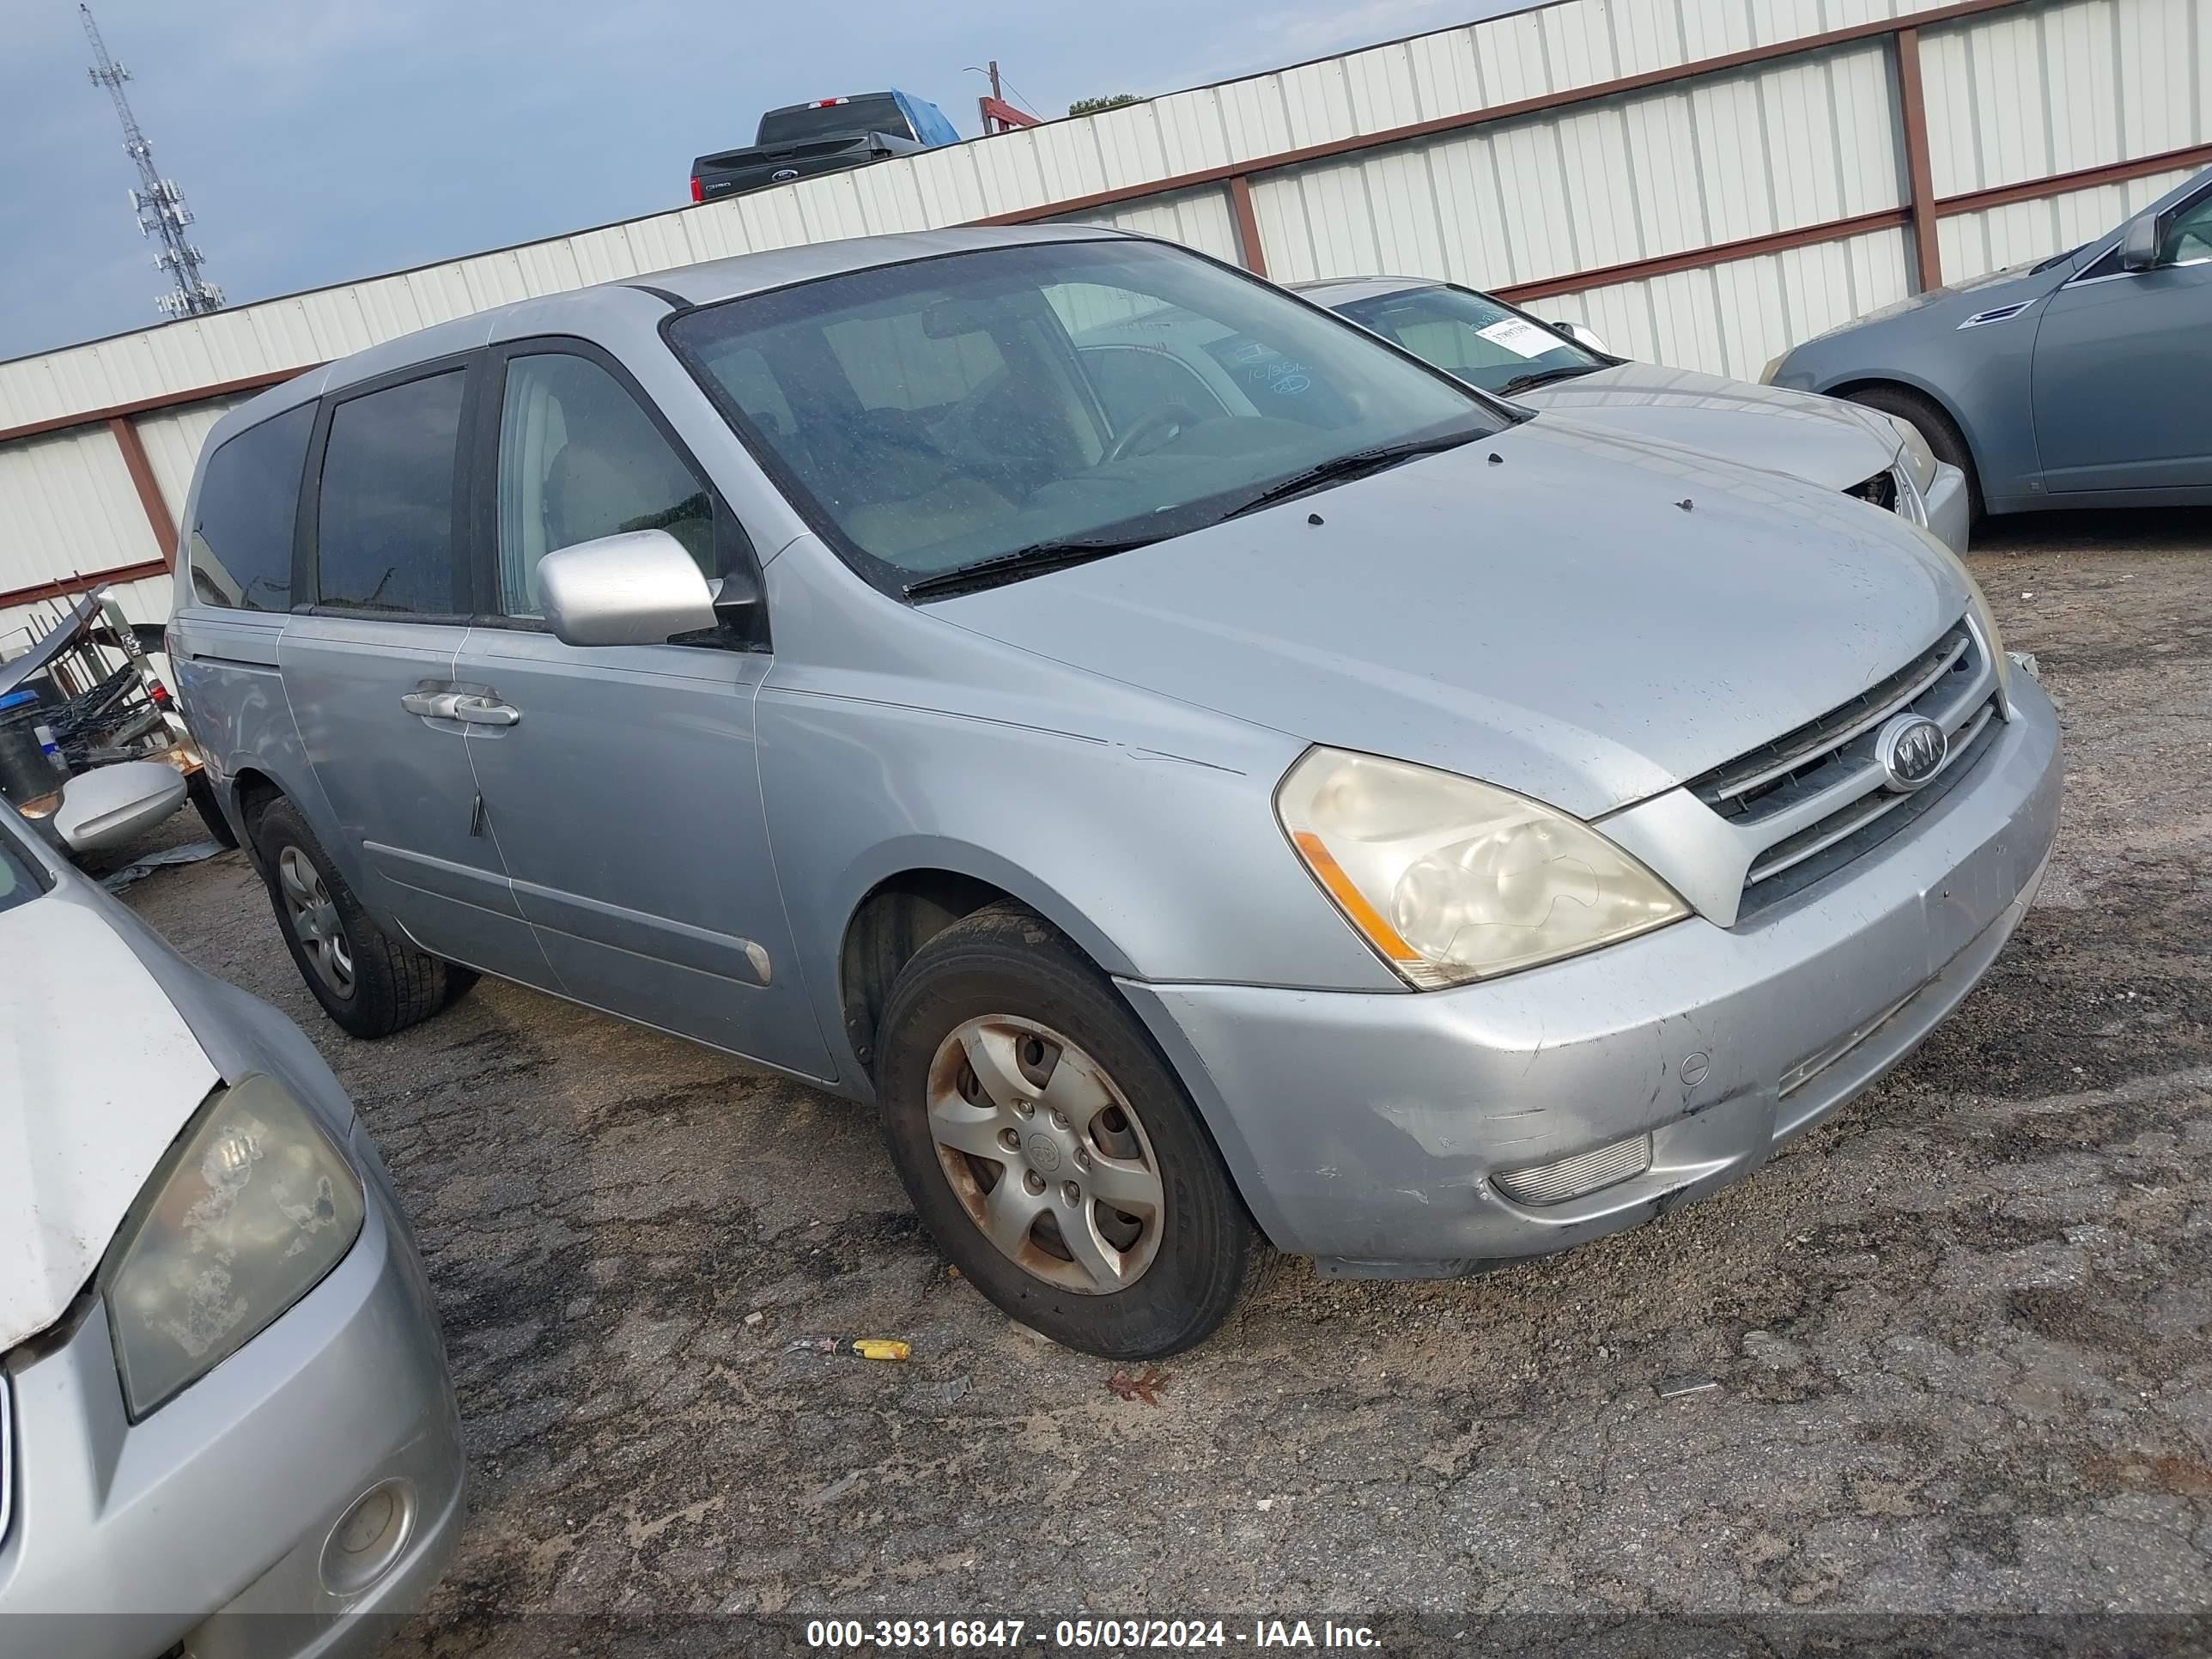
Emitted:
<point x="251" y="1207"/>
<point x="1985" y="623"/>
<point x="1451" y="879"/>
<point x="1919" y="460"/>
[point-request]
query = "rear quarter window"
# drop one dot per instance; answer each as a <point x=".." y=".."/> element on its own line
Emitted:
<point x="240" y="545"/>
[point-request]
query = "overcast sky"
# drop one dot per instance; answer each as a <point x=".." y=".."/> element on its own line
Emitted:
<point x="323" y="140"/>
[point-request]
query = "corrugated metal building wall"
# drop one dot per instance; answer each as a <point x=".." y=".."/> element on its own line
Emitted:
<point x="1703" y="181"/>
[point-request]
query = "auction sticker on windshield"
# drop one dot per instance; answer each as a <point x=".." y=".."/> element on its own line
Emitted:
<point x="1521" y="338"/>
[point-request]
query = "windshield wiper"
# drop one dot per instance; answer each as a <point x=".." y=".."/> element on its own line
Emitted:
<point x="1032" y="561"/>
<point x="1344" y="468"/>
<point x="1520" y="383"/>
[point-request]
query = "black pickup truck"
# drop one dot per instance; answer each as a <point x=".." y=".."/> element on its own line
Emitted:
<point x="822" y="137"/>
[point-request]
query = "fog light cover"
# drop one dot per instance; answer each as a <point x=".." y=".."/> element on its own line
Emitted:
<point x="368" y="1538"/>
<point x="1576" y="1176"/>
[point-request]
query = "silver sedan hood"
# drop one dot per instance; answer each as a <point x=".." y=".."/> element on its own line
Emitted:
<point x="101" y="1073"/>
<point x="1823" y="441"/>
<point x="1557" y="622"/>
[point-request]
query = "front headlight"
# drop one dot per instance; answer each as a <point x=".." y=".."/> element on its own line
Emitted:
<point x="1773" y="368"/>
<point x="1451" y="879"/>
<point x="1919" y="460"/>
<point x="251" y="1207"/>
<point x="1985" y="623"/>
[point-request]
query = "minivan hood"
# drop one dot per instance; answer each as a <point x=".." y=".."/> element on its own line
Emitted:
<point x="1583" y="616"/>
<point x="98" y="1075"/>
<point x="1822" y="441"/>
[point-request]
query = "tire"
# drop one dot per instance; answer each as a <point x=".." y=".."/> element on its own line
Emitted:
<point x="203" y="801"/>
<point x="1005" y="985"/>
<point x="1936" y="426"/>
<point x="384" y="986"/>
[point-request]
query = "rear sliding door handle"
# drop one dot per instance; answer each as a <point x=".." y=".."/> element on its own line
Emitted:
<point x="432" y="705"/>
<point x="485" y="711"/>
<point x="459" y="706"/>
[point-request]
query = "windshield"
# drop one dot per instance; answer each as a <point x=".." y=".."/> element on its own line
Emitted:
<point x="1482" y="342"/>
<point x="854" y="115"/>
<point x="932" y="416"/>
<point x="20" y="882"/>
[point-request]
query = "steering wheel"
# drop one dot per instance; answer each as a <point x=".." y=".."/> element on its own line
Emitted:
<point x="1174" y="415"/>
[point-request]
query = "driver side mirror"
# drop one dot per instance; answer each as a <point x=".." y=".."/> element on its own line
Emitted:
<point x="2139" y="248"/>
<point x="639" y="587"/>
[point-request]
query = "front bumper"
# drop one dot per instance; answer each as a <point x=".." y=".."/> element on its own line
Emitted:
<point x="211" y="1522"/>
<point x="1366" y="1130"/>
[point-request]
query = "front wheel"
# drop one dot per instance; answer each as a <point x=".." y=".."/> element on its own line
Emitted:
<point x="1051" y="1152"/>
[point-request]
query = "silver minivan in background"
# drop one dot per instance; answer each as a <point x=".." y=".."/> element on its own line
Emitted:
<point x="1205" y="778"/>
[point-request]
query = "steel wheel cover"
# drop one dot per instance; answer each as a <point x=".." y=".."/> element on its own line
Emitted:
<point x="1046" y="1154"/>
<point x="314" y="920"/>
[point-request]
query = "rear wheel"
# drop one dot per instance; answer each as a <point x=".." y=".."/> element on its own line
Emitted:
<point x="1935" y="424"/>
<point x="1049" y="1150"/>
<point x="370" y="984"/>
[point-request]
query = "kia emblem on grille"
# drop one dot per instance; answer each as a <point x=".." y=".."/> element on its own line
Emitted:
<point x="1911" y="750"/>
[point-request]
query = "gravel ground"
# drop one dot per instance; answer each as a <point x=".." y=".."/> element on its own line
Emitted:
<point x="1960" y="1332"/>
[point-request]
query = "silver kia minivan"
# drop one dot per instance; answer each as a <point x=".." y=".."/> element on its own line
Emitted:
<point x="1208" y="777"/>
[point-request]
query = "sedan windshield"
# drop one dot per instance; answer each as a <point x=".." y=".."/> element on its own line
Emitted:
<point x="1473" y="336"/>
<point x="18" y="883"/>
<point x="1017" y="408"/>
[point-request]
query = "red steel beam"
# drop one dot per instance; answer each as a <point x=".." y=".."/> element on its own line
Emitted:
<point x="135" y="461"/>
<point x="83" y="583"/>
<point x="1919" y="171"/>
<point x="162" y="400"/>
<point x="1255" y="257"/>
<point x="1718" y="253"/>
<point x="2062" y="183"/>
<point x="997" y="109"/>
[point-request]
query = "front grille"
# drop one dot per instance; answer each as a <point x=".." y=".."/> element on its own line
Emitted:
<point x="1880" y="489"/>
<point x="1813" y="799"/>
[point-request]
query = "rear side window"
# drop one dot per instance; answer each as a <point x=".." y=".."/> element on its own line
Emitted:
<point x="241" y="547"/>
<point x="384" y="520"/>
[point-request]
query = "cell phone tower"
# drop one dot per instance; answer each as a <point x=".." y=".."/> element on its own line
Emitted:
<point x="158" y="203"/>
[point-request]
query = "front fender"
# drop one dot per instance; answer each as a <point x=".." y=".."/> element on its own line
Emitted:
<point x="1977" y="376"/>
<point x="1159" y="868"/>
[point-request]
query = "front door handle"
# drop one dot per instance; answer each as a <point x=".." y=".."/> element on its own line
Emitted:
<point x="485" y="711"/>
<point x="432" y="705"/>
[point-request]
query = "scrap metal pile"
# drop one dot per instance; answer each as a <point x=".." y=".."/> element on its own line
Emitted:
<point x="84" y="697"/>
